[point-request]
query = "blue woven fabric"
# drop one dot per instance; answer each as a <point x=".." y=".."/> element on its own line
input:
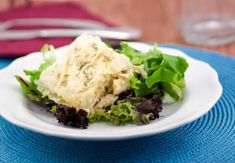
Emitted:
<point x="209" y="139"/>
<point x="4" y="62"/>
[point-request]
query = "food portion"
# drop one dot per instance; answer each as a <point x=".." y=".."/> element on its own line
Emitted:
<point x="93" y="82"/>
<point x="90" y="76"/>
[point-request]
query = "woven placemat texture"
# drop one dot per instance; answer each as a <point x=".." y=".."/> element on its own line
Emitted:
<point x="209" y="139"/>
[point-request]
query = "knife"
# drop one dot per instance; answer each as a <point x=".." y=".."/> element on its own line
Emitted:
<point x="107" y="33"/>
<point x="71" y="23"/>
<point x="77" y="27"/>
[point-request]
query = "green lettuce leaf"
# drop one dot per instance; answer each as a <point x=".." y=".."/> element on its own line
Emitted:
<point x="119" y="114"/>
<point x="48" y="54"/>
<point x="135" y="110"/>
<point x="123" y="112"/>
<point x="29" y="88"/>
<point x="165" y="72"/>
<point x="135" y="57"/>
<point x="161" y="75"/>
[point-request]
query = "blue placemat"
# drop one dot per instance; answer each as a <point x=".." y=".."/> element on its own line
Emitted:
<point x="4" y="62"/>
<point x="209" y="139"/>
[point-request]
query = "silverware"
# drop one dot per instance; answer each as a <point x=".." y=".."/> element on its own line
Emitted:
<point x="107" y="33"/>
<point x="72" y="23"/>
<point x="78" y="27"/>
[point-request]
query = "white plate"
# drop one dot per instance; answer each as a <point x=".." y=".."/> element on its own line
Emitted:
<point x="202" y="91"/>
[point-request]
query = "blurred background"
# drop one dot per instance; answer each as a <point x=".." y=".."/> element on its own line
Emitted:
<point x="157" y="19"/>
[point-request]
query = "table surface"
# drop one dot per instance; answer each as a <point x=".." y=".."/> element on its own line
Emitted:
<point x="156" y="19"/>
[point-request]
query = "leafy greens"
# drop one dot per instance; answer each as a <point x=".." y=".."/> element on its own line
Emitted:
<point x="164" y="72"/>
<point x="164" y="75"/>
<point x="133" y="110"/>
<point x="29" y="88"/>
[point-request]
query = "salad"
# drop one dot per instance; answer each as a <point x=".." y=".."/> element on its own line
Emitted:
<point x="93" y="82"/>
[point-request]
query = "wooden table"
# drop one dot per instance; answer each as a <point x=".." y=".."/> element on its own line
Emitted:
<point x="156" y="18"/>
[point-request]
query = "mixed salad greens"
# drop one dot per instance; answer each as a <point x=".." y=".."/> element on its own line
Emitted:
<point x="163" y="76"/>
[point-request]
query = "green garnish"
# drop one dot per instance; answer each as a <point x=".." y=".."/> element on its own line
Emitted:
<point x="29" y="88"/>
<point x="123" y="112"/>
<point x="164" y="71"/>
<point x="53" y="109"/>
<point x="119" y="114"/>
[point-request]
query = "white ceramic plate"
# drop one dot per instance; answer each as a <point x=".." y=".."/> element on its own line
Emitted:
<point x="203" y="89"/>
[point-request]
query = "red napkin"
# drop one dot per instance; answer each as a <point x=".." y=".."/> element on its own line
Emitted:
<point x="57" y="10"/>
